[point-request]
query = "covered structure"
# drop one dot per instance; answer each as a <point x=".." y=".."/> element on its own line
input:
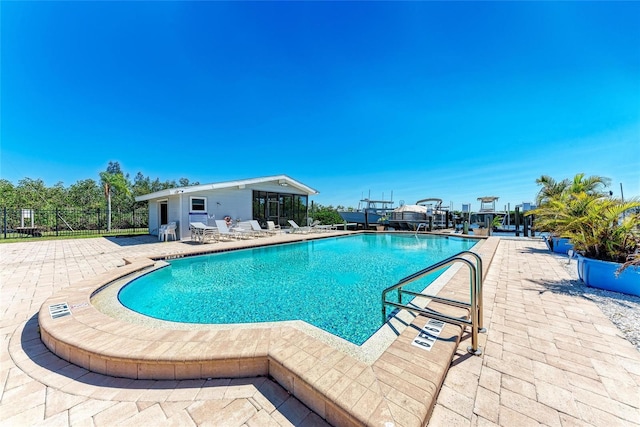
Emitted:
<point x="484" y="216"/>
<point x="271" y="198"/>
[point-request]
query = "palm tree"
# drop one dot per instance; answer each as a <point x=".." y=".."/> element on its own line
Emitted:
<point x="592" y="185"/>
<point x="550" y="189"/>
<point x="598" y="226"/>
<point x="597" y="229"/>
<point x="113" y="182"/>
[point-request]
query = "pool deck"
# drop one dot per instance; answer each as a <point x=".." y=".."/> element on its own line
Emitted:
<point x="549" y="358"/>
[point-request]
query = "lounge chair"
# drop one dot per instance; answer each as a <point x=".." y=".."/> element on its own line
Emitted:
<point x="255" y="226"/>
<point x="272" y="227"/>
<point x="225" y="231"/>
<point x="196" y="230"/>
<point x="202" y="233"/>
<point x="317" y="226"/>
<point x="245" y="228"/>
<point x="295" y="228"/>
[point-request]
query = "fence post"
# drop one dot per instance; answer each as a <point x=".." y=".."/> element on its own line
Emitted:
<point x="57" y="214"/>
<point x="4" y="221"/>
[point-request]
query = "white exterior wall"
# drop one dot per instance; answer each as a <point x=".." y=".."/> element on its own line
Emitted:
<point x="173" y="214"/>
<point x="154" y="217"/>
<point x="275" y="188"/>
<point x="235" y="203"/>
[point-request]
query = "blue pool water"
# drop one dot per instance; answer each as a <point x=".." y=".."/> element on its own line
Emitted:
<point x="334" y="284"/>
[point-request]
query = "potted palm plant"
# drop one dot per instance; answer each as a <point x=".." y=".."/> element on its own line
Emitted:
<point x="604" y="232"/>
<point x="481" y="231"/>
<point x="496" y="222"/>
<point x="553" y="190"/>
<point x="382" y="221"/>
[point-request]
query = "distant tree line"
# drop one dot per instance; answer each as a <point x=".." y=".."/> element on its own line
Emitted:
<point x="112" y="184"/>
<point x="325" y="214"/>
<point x="114" y="190"/>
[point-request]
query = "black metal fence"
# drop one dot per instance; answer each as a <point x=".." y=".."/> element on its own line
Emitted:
<point x="21" y="222"/>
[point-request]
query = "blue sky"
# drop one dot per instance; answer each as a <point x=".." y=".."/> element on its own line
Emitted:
<point x="453" y="100"/>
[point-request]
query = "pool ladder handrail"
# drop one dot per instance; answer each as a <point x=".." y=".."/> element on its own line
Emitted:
<point x="423" y="225"/>
<point x="475" y="305"/>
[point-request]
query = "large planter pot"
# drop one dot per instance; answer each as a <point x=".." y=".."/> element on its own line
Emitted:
<point x="601" y="275"/>
<point x="480" y="231"/>
<point x="560" y="245"/>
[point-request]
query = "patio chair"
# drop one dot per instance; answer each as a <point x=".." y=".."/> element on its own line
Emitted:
<point x="317" y="226"/>
<point x="245" y="229"/>
<point x="196" y="230"/>
<point x="224" y="231"/>
<point x="161" y="231"/>
<point x="272" y="227"/>
<point x="168" y="230"/>
<point x="295" y="228"/>
<point x="202" y="233"/>
<point x="255" y="226"/>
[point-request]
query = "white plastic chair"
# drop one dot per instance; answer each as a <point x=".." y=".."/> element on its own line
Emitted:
<point x="161" y="232"/>
<point x="169" y="230"/>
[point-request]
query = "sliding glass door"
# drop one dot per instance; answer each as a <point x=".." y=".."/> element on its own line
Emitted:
<point x="279" y="208"/>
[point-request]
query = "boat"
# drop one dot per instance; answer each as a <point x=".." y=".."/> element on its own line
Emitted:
<point x="425" y="214"/>
<point x="484" y="216"/>
<point x="508" y="223"/>
<point x="369" y="212"/>
<point x="484" y="219"/>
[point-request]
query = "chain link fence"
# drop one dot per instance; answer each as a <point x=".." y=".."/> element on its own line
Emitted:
<point x="21" y="222"/>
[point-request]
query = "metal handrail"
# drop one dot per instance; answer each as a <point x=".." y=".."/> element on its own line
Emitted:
<point x="479" y="289"/>
<point x="475" y="305"/>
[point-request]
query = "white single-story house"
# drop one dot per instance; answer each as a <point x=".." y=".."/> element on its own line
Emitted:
<point x="271" y="198"/>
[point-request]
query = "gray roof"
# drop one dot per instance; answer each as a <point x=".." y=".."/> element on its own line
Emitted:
<point x="283" y="180"/>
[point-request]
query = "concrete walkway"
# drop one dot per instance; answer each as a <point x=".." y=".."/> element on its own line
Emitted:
<point x="550" y="358"/>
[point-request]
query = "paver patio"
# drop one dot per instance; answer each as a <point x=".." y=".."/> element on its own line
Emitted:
<point x="550" y="358"/>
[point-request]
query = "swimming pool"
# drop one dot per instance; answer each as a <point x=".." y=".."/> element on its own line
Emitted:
<point x="334" y="283"/>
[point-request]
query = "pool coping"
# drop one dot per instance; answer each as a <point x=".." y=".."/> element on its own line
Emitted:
<point x="105" y="300"/>
<point x="400" y="386"/>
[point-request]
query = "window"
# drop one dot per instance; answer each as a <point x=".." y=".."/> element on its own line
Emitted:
<point x="198" y="204"/>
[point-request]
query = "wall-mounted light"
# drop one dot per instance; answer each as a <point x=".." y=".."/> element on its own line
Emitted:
<point x="283" y="183"/>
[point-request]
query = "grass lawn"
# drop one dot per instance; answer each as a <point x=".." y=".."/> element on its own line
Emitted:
<point x="80" y="235"/>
